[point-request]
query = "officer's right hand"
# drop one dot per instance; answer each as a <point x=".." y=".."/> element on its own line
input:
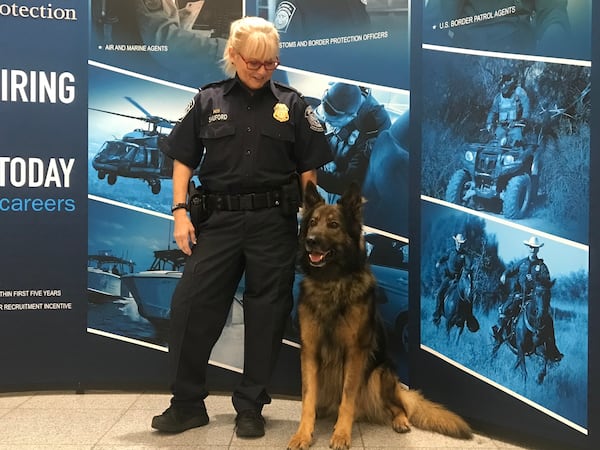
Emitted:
<point x="183" y="231"/>
<point x="488" y="127"/>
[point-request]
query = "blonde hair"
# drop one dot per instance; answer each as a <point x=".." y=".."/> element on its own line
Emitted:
<point x="254" y="37"/>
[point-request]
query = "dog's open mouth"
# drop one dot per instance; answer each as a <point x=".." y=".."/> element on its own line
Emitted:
<point x="317" y="259"/>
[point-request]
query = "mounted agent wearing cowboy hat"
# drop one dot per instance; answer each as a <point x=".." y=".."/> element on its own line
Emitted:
<point x="530" y="271"/>
<point x="454" y="262"/>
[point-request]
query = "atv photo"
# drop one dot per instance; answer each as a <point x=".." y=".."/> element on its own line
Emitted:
<point x="498" y="176"/>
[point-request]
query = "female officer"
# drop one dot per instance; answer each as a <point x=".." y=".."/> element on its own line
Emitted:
<point x="256" y="138"/>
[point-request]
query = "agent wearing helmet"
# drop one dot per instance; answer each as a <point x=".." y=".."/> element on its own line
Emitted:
<point x="353" y="119"/>
<point x="509" y="111"/>
<point x="310" y="19"/>
<point x="529" y="272"/>
<point x="454" y="263"/>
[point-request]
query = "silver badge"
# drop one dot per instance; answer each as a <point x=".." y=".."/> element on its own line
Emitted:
<point x="313" y="121"/>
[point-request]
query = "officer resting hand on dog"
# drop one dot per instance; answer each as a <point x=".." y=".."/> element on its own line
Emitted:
<point x="257" y="143"/>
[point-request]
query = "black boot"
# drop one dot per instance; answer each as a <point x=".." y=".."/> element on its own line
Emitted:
<point x="472" y="323"/>
<point x="552" y="353"/>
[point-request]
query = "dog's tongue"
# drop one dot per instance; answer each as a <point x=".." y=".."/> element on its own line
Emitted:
<point x="316" y="257"/>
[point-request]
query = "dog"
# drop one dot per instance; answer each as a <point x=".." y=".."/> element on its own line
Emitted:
<point x="344" y="366"/>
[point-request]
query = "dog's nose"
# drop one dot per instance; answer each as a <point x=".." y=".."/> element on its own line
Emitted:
<point x="311" y="241"/>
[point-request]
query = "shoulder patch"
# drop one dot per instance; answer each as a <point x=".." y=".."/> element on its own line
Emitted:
<point x="153" y="5"/>
<point x="188" y="108"/>
<point x="283" y="16"/>
<point x="312" y="119"/>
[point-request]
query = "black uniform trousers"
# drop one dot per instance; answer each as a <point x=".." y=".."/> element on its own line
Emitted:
<point x="262" y="243"/>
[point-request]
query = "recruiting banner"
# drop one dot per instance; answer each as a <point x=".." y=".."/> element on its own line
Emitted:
<point x="505" y="199"/>
<point x="147" y="59"/>
<point x="43" y="203"/>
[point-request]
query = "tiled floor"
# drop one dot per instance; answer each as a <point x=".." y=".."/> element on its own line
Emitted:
<point x="121" y="420"/>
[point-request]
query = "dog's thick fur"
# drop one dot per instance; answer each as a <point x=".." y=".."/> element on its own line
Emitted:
<point x="344" y="365"/>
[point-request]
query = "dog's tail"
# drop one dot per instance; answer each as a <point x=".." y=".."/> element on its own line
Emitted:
<point x="428" y="415"/>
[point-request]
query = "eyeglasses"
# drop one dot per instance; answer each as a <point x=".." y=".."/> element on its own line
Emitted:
<point x="253" y="64"/>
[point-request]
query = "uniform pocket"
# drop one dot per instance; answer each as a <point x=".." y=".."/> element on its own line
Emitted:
<point x="217" y="130"/>
<point x="217" y="137"/>
<point x="277" y="147"/>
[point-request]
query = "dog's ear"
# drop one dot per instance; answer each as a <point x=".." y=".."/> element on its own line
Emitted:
<point x="352" y="202"/>
<point x="312" y="196"/>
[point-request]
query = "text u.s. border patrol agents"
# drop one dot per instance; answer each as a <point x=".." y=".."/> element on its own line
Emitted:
<point x="256" y="142"/>
<point x="306" y="19"/>
<point x="521" y="26"/>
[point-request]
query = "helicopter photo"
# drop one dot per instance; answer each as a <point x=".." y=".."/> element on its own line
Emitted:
<point x="137" y="154"/>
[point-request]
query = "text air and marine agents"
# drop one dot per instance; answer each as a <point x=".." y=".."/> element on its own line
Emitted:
<point x="16" y="172"/>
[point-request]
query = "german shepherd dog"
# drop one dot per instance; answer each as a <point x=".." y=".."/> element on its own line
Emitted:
<point x="344" y="366"/>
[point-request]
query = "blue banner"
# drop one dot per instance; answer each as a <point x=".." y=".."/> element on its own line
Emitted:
<point x="43" y="201"/>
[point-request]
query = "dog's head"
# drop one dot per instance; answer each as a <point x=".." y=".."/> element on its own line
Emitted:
<point x="331" y="240"/>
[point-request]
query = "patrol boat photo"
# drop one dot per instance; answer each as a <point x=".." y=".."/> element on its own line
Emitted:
<point x="152" y="289"/>
<point x="104" y="276"/>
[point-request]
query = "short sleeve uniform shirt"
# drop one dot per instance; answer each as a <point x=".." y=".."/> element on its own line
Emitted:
<point x="244" y="140"/>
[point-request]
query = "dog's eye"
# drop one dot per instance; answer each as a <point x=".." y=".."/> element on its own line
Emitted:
<point x="312" y="222"/>
<point x="334" y="224"/>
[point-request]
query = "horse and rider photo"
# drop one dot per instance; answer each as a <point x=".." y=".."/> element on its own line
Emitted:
<point x="529" y="332"/>
<point x="454" y="300"/>
<point x="528" y="293"/>
<point x="346" y="372"/>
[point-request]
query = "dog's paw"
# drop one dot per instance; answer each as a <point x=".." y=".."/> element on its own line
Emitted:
<point x="299" y="442"/>
<point x="340" y="441"/>
<point x="400" y="424"/>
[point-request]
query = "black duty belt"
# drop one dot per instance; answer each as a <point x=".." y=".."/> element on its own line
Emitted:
<point x="243" y="202"/>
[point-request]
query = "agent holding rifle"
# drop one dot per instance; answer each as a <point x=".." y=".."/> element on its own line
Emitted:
<point x="258" y="143"/>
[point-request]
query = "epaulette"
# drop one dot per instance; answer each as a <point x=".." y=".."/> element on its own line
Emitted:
<point x="215" y="83"/>
<point x="286" y="87"/>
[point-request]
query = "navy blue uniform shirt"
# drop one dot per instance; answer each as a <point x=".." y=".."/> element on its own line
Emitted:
<point x="246" y="140"/>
